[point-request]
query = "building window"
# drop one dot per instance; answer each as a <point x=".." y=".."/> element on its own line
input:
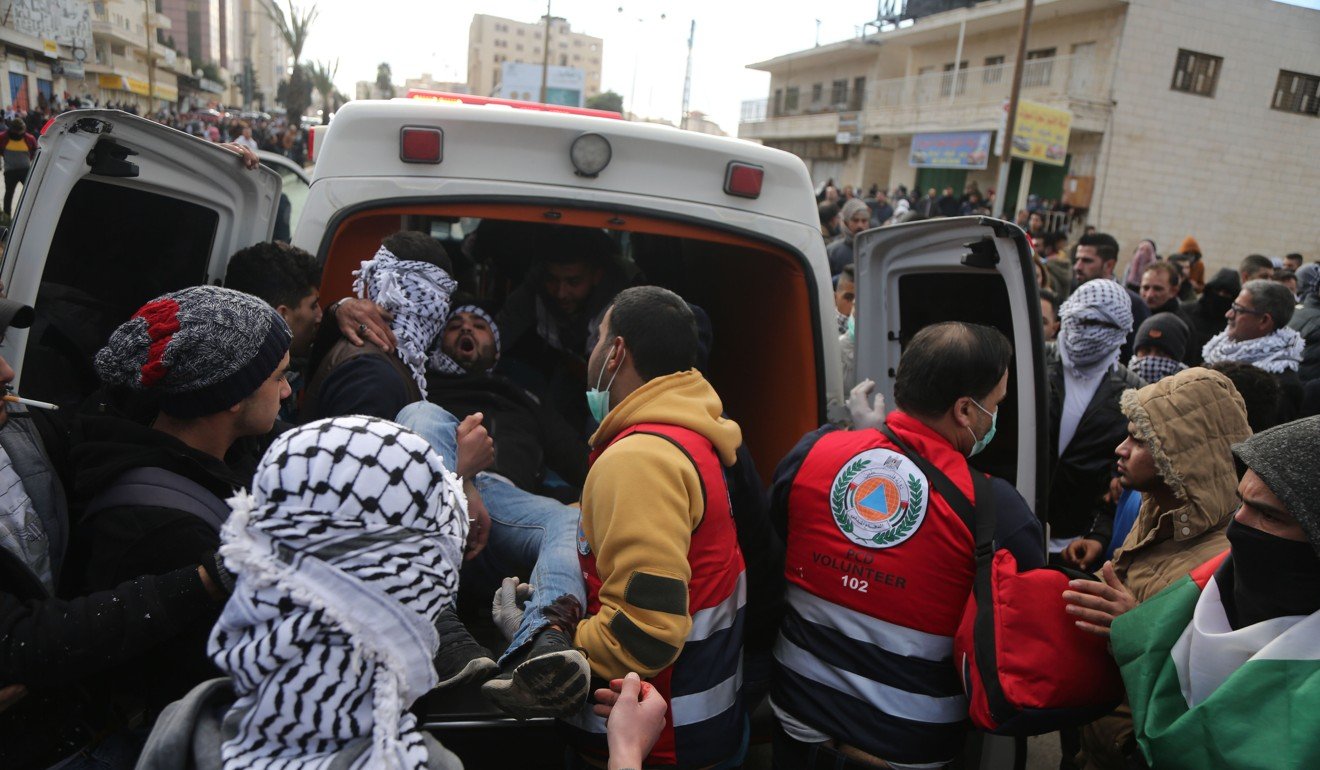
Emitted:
<point x="994" y="70"/>
<point x="858" y="94"/>
<point x="838" y="93"/>
<point x="946" y="82"/>
<point x="1039" y="68"/>
<point x="791" y="99"/>
<point x="519" y="47"/>
<point x="779" y="103"/>
<point x="521" y="32"/>
<point x="1196" y="73"/>
<point x="817" y="92"/>
<point x="1295" y="92"/>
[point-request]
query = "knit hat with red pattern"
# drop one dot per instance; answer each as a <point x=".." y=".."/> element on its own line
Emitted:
<point x="200" y="350"/>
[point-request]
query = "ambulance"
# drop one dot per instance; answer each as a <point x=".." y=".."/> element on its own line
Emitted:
<point x="118" y="210"/>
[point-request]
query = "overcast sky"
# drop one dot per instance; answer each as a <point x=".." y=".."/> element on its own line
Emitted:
<point x="416" y="37"/>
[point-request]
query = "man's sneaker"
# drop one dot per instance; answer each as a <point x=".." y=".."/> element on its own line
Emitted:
<point x="551" y="680"/>
<point x="460" y="659"/>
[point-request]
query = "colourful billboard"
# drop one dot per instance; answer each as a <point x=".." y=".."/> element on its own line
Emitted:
<point x="959" y="149"/>
<point x="1041" y="133"/>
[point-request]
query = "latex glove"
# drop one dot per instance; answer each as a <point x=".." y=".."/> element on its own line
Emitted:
<point x="507" y="607"/>
<point x="864" y="413"/>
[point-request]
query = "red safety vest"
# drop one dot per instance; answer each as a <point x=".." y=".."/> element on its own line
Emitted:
<point x="703" y="686"/>
<point x="879" y="569"/>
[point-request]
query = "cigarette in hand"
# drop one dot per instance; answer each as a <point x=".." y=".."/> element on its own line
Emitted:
<point x="11" y="398"/>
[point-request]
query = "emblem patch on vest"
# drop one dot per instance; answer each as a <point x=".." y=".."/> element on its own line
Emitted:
<point x="878" y="499"/>
<point x="583" y="546"/>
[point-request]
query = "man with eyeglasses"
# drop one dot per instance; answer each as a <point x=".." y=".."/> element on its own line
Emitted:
<point x="1258" y="334"/>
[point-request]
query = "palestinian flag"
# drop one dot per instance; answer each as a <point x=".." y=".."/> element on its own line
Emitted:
<point x="1206" y="696"/>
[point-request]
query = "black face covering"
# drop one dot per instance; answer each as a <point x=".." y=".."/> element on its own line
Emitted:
<point x="1270" y="577"/>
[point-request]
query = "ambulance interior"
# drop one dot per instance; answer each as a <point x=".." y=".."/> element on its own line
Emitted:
<point x="763" y="358"/>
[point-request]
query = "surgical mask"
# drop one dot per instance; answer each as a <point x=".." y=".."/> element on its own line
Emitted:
<point x="598" y="401"/>
<point x="852" y="327"/>
<point x="981" y="443"/>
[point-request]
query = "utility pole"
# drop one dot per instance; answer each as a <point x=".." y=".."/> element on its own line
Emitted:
<point x="147" y="13"/>
<point x="687" y="80"/>
<point x="1010" y="120"/>
<point x="545" y="55"/>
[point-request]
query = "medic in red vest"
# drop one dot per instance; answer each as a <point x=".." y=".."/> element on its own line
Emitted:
<point x="880" y="567"/>
<point x="659" y="553"/>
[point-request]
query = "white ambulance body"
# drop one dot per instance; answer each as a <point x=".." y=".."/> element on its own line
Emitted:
<point x="119" y="209"/>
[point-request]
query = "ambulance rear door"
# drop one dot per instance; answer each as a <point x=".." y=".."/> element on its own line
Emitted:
<point x="115" y="211"/>
<point x="977" y="270"/>
<point x="972" y="269"/>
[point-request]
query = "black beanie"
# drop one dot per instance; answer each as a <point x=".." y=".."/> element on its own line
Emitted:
<point x="201" y="350"/>
<point x="1165" y="331"/>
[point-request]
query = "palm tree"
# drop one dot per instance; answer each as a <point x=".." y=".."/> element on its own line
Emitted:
<point x="294" y="26"/>
<point x="323" y="78"/>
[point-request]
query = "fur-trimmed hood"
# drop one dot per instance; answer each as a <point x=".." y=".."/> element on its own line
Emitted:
<point x="1188" y="421"/>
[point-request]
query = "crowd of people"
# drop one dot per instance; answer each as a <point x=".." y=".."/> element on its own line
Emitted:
<point x="247" y="547"/>
<point x="254" y="130"/>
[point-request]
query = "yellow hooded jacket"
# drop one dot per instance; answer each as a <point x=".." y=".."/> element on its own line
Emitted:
<point x="641" y="501"/>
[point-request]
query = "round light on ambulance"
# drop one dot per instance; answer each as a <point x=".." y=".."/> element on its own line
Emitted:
<point x="590" y="154"/>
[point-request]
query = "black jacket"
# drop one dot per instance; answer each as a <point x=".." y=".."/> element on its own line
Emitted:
<point x="1205" y="316"/>
<point x="1080" y="476"/>
<point x="122" y="543"/>
<point x="52" y="644"/>
<point x="529" y="436"/>
<point x="1307" y="323"/>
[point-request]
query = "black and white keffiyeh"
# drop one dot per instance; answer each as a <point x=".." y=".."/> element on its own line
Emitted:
<point x="1094" y="322"/>
<point x="346" y="550"/>
<point x="1152" y="369"/>
<point x="1277" y="352"/>
<point x="442" y="363"/>
<point x="417" y="293"/>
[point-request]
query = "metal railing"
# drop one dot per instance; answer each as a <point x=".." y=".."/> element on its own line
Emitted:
<point x="1077" y="77"/>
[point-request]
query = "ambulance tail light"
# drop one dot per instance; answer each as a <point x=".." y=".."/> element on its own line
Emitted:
<point x="421" y="144"/>
<point x="314" y="137"/>
<point x="743" y="179"/>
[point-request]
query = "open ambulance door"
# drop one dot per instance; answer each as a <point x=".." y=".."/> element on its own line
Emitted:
<point x="115" y="211"/>
<point x="973" y="269"/>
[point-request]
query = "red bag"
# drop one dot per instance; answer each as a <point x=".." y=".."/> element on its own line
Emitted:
<point x="1026" y="668"/>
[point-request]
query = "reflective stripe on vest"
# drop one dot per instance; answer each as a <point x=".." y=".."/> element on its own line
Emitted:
<point x="855" y="625"/>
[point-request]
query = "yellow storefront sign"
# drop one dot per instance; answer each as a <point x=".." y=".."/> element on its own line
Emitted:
<point x="112" y="82"/>
<point x="140" y="87"/>
<point x="1041" y="133"/>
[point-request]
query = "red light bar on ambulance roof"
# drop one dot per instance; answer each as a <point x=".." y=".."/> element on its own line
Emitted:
<point x="743" y="179"/>
<point x="446" y="97"/>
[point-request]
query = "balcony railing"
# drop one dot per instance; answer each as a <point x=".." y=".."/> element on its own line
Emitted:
<point x="1076" y="77"/>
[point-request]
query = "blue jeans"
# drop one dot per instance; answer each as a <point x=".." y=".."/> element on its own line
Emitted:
<point x="525" y="528"/>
